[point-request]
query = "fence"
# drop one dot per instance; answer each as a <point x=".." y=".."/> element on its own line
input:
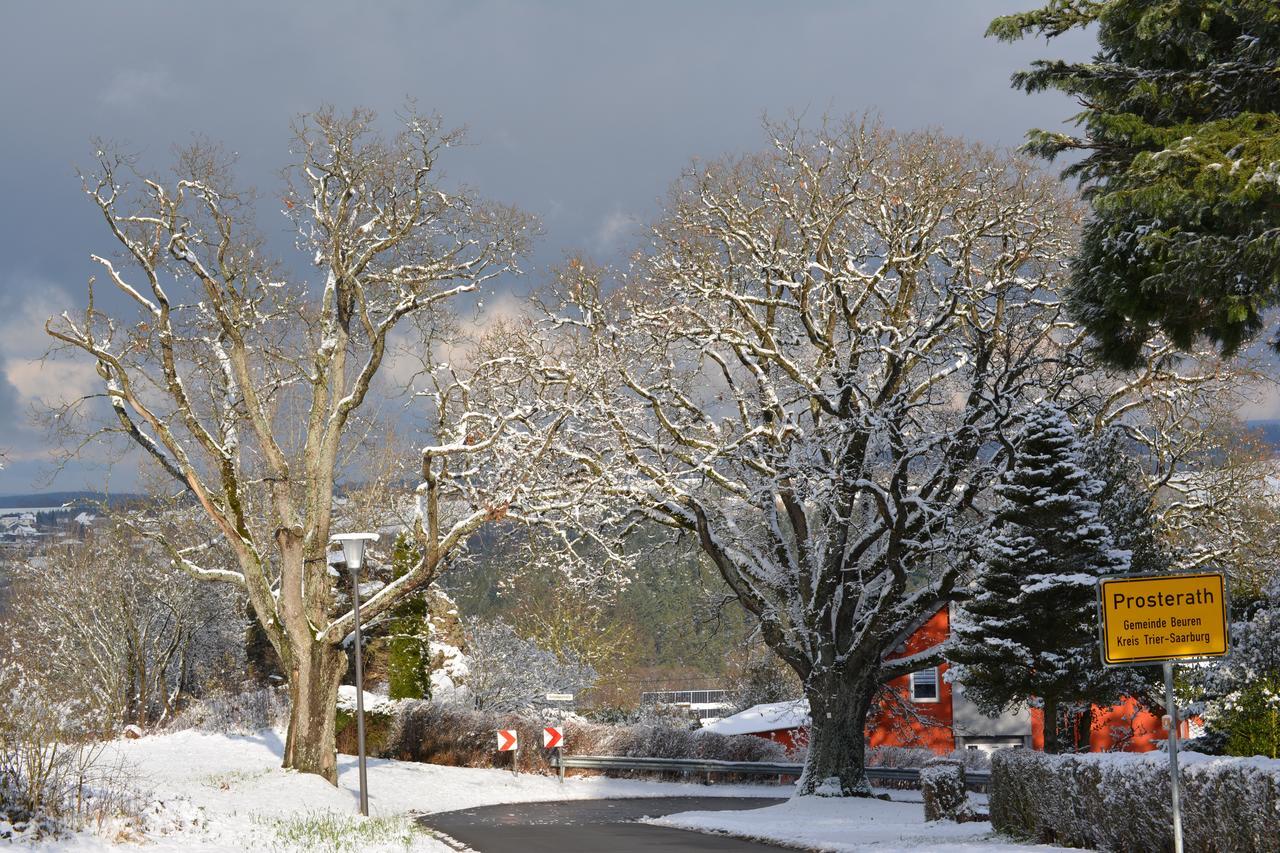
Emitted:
<point x="898" y="776"/>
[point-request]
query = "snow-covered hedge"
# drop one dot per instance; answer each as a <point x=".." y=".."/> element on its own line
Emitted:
<point x="452" y="735"/>
<point x="1121" y="801"/>
<point x="945" y="796"/>
<point x="54" y="777"/>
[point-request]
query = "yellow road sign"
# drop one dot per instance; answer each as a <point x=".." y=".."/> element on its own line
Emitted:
<point x="1162" y="618"/>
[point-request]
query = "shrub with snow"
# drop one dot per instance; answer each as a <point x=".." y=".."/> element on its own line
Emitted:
<point x="53" y="776"/>
<point x="1121" y="801"/>
<point x="235" y="713"/>
<point x="919" y="756"/>
<point x="943" y="786"/>
<point x="441" y="733"/>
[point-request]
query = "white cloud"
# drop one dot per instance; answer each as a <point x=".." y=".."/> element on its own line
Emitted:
<point x="1262" y="404"/>
<point x="613" y="228"/>
<point x="23" y="343"/>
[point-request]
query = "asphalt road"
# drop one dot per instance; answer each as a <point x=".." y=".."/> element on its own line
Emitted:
<point x="591" y="826"/>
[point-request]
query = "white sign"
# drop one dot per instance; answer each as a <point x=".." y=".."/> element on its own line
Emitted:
<point x="552" y="737"/>
<point x="508" y="740"/>
<point x="559" y="697"/>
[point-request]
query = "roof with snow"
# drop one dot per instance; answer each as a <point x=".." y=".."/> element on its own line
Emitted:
<point x="770" y="717"/>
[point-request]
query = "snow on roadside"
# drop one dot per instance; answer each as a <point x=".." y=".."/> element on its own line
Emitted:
<point x="846" y="825"/>
<point x="214" y="793"/>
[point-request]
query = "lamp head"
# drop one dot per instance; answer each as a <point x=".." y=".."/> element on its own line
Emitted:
<point x="353" y="547"/>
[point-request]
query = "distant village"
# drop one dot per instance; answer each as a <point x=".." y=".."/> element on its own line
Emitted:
<point x="26" y="527"/>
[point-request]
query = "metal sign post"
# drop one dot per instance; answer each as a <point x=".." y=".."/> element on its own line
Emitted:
<point x="1175" y="779"/>
<point x="1147" y="619"/>
<point x="553" y="738"/>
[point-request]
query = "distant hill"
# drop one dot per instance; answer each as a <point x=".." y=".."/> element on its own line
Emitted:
<point x="54" y="499"/>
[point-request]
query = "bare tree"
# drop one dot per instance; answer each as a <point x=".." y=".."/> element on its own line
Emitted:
<point x="243" y="384"/>
<point x="1205" y="476"/>
<point x="813" y="368"/>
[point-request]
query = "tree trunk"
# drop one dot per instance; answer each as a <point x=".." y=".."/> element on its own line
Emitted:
<point x="313" y="699"/>
<point x="1052" y="727"/>
<point x="836" y="766"/>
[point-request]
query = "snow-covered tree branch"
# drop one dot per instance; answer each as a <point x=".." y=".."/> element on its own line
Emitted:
<point x="813" y="368"/>
<point x="243" y="384"/>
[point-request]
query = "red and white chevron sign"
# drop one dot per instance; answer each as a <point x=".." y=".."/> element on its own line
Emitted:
<point x="507" y="740"/>
<point x="552" y="737"/>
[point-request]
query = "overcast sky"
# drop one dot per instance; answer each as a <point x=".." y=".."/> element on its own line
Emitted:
<point x="581" y="113"/>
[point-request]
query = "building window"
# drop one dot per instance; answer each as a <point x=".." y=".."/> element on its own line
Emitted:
<point x="924" y="685"/>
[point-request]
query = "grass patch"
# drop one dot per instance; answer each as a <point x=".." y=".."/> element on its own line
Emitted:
<point x="227" y="781"/>
<point x="332" y="832"/>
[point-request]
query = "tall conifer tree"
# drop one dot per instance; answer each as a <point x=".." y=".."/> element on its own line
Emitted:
<point x="1180" y="136"/>
<point x="1029" y="632"/>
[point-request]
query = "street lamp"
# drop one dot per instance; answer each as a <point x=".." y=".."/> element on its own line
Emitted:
<point x="353" y="553"/>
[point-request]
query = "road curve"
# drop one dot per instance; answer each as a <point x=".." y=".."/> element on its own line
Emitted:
<point x="591" y="826"/>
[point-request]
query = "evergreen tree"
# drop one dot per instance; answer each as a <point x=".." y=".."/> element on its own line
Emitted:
<point x="408" y="634"/>
<point x="1029" y="630"/>
<point x="1182" y="136"/>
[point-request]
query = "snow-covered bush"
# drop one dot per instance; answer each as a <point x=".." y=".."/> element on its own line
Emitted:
<point x="1242" y="710"/>
<point x="440" y="733"/>
<point x="1121" y="801"/>
<point x="919" y="756"/>
<point x="945" y="797"/>
<point x="457" y="736"/>
<point x="237" y="713"/>
<point x="108" y="623"/>
<point x="53" y="777"/>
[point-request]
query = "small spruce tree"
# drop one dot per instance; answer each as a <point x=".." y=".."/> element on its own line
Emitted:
<point x="1029" y="630"/>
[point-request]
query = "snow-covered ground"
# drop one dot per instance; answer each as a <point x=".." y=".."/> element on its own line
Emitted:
<point x="213" y="792"/>
<point x="846" y="825"/>
<point x="227" y="793"/>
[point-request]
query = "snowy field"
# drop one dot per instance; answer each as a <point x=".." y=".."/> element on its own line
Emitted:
<point x="227" y="793"/>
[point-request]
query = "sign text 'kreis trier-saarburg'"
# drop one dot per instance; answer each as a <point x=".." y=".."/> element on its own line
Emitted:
<point x="1166" y="617"/>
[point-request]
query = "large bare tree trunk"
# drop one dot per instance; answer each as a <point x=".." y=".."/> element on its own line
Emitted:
<point x="836" y="765"/>
<point x="313" y="698"/>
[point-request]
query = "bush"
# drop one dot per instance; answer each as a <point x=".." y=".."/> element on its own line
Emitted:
<point x="452" y="735"/>
<point x="53" y="777"/>
<point x="945" y="797"/>
<point x="911" y="756"/>
<point x="1121" y="801"/>
<point x="236" y="713"/>
<point x="1253" y="719"/>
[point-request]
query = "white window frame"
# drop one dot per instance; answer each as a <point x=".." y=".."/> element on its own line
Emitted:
<point x="937" y="687"/>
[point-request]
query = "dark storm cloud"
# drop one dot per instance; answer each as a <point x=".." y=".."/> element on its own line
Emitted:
<point x="581" y="113"/>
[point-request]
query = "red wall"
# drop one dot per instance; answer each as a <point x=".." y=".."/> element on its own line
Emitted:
<point x="930" y="725"/>
<point x="1126" y="726"/>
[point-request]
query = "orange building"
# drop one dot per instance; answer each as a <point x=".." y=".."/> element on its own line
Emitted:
<point x="923" y="709"/>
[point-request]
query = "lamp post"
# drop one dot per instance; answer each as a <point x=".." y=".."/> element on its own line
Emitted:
<point x="353" y="553"/>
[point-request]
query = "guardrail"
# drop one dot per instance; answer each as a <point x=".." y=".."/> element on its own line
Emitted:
<point x="899" y="775"/>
